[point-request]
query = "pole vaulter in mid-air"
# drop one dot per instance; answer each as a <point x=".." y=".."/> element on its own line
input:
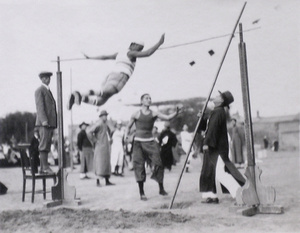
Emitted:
<point x="116" y="80"/>
<point x="122" y="71"/>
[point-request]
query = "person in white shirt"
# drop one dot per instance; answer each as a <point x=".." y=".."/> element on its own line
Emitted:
<point x="117" y="150"/>
<point x="186" y="139"/>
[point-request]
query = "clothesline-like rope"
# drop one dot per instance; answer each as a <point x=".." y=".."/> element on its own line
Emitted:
<point x="178" y="45"/>
<point x="203" y="40"/>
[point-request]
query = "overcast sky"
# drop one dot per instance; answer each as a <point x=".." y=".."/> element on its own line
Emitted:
<point x="35" y="32"/>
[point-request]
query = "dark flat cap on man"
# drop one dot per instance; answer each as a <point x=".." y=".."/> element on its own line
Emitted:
<point x="103" y="113"/>
<point x="45" y="74"/>
<point x="82" y="124"/>
<point x="227" y="97"/>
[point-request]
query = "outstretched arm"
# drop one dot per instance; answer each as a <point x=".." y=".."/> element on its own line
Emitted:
<point x="170" y="116"/>
<point x="148" y="52"/>
<point x="102" y="57"/>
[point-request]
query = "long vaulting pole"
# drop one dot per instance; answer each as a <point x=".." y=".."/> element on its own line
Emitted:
<point x="205" y="105"/>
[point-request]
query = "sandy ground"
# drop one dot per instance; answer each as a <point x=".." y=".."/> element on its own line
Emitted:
<point x="118" y="208"/>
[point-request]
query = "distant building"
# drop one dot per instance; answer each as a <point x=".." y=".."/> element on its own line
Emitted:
<point x="284" y="129"/>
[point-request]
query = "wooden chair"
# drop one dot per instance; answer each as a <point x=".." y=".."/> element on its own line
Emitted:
<point x="30" y="171"/>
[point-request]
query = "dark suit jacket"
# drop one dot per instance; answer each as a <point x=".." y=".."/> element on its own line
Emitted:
<point x="45" y="107"/>
<point x="166" y="152"/>
<point x="83" y="140"/>
<point x="217" y="140"/>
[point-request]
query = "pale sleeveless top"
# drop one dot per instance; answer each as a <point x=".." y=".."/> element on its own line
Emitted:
<point x="118" y="136"/>
<point x="144" y="125"/>
<point x="123" y="64"/>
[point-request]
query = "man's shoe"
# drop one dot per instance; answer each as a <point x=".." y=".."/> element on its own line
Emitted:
<point x="211" y="201"/>
<point x="143" y="197"/>
<point x="108" y="183"/>
<point x="77" y="98"/>
<point x="215" y="200"/>
<point x="71" y="102"/>
<point x="163" y="193"/>
<point x="98" y="183"/>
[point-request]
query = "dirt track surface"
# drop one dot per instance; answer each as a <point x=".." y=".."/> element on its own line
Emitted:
<point x="118" y="208"/>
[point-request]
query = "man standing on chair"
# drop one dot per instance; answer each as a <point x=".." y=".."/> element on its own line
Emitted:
<point x="46" y="119"/>
<point x="145" y="148"/>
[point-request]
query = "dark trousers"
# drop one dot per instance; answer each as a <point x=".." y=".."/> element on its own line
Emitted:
<point x="147" y="151"/>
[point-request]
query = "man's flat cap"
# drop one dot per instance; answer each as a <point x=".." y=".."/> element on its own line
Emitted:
<point x="103" y="113"/>
<point x="45" y="74"/>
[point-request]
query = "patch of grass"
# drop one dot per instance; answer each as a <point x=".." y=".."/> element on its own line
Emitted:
<point x="63" y="218"/>
<point x="180" y="205"/>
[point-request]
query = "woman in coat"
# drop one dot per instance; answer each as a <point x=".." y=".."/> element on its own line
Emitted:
<point x="99" y="133"/>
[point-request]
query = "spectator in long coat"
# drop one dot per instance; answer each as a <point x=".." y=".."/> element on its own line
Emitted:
<point x="99" y="133"/>
<point x="167" y="141"/>
<point x="216" y="164"/>
<point x="236" y="144"/>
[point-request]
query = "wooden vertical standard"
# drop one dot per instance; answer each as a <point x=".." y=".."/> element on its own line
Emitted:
<point x="61" y="192"/>
<point x="253" y="194"/>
